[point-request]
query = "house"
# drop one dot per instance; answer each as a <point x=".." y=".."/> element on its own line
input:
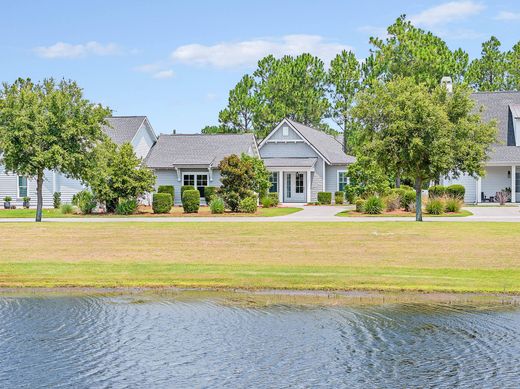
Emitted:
<point x="193" y="159"/>
<point x="133" y="129"/>
<point x="303" y="161"/>
<point x="502" y="167"/>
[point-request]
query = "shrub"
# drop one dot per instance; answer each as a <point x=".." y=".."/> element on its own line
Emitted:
<point x="435" y="206"/>
<point x="374" y="205"/>
<point x="411" y="207"/>
<point x="339" y="197"/>
<point x="266" y="202"/>
<point x="26" y="201"/>
<point x="405" y="187"/>
<point x="407" y="198"/>
<point x="360" y="205"/>
<point x="191" y="201"/>
<point x="162" y="202"/>
<point x="392" y="201"/>
<point x="8" y="198"/>
<point x="436" y="191"/>
<point x="350" y="194"/>
<point x="186" y="187"/>
<point x="248" y="205"/>
<point x="167" y="189"/>
<point x="456" y="190"/>
<point x="274" y="198"/>
<point x="216" y="205"/>
<point x="324" y="197"/>
<point x="232" y="200"/>
<point x="66" y="208"/>
<point x="209" y="193"/>
<point x="453" y="204"/>
<point x="126" y="207"/>
<point x="85" y="201"/>
<point x="56" y="200"/>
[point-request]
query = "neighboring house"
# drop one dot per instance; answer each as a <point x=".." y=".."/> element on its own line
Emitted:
<point x="193" y="159"/>
<point x="303" y="161"/>
<point x="133" y="129"/>
<point x="503" y="165"/>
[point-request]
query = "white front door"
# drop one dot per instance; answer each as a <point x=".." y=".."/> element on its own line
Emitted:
<point x="294" y="187"/>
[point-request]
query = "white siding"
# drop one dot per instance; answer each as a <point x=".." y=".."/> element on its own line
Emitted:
<point x="68" y="187"/>
<point x="169" y="177"/>
<point x="495" y="179"/>
<point x="9" y="187"/>
<point x="142" y="142"/>
<point x="469" y="183"/>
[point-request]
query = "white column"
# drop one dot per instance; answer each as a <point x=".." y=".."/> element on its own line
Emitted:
<point x="308" y="186"/>
<point x="479" y="189"/>
<point x="513" y="184"/>
<point x="280" y="186"/>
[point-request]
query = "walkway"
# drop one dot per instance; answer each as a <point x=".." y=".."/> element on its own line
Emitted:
<point x="308" y="214"/>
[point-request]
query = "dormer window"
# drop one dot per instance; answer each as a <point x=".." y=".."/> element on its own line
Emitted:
<point x="285" y="131"/>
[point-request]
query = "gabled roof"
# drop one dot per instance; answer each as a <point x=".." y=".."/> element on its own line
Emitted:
<point x="499" y="106"/>
<point x="205" y="150"/>
<point x="290" y="162"/>
<point x="122" y="129"/>
<point x="326" y="145"/>
<point x="504" y="154"/>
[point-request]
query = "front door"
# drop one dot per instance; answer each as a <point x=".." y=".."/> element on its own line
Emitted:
<point x="294" y="187"/>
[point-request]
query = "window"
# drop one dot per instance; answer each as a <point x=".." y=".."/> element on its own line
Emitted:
<point x="342" y="181"/>
<point x="289" y="186"/>
<point x="273" y="179"/>
<point x="285" y="131"/>
<point x="22" y="186"/>
<point x="517" y="183"/>
<point x="202" y="182"/>
<point x="299" y="183"/>
<point x="188" y="179"/>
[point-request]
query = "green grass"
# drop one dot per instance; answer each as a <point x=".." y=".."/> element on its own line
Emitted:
<point x="438" y="257"/>
<point x="56" y="213"/>
<point x="352" y="213"/>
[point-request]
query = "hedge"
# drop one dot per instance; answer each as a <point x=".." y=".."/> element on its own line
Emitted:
<point x="274" y="198"/>
<point x="360" y="205"/>
<point x="456" y="190"/>
<point x="209" y="192"/>
<point x="248" y="205"/>
<point x="191" y="200"/>
<point x="167" y="189"/>
<point x="186" y="187"/>
<point x="407" y="198"/>
<point x="126" y="207"/>
<point x="324" y="197"/>
<point x="339" y="197"/>
<point x="436" y="191"/>
<point x="162" y="202"/>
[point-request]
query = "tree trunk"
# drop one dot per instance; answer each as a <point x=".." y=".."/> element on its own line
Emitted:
<point x="418" y="200"/>
<point x="398" y="181"/>
<point x="39" y="196"/>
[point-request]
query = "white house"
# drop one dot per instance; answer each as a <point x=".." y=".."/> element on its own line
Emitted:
<point x="133" y="129"/>
<point x="503" y="165"/>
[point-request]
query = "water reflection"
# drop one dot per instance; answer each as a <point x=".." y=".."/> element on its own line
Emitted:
<point x="122" y="342"/>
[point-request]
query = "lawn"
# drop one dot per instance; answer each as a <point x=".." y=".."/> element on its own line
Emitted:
<point x="146" y="212"/>
<point x="400" y="213"/>
<point x="458" y="257"/>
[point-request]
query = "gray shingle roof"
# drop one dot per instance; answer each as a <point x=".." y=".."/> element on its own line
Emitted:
<point x="122" y="129"/>
<point x="504" y="154"/>
<point x="289" y="162"/>
<point x="496" y="106"/>
<point x="198" y="149"/>
<point x="326" y="144"/>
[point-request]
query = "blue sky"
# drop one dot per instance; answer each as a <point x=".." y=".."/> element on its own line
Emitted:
<point x="176" y="61"/>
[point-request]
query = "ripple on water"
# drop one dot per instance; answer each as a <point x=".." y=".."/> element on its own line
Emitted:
<point x="124" y="342"/>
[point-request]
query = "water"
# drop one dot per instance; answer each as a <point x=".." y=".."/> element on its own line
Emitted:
<point x="118" y="342"/>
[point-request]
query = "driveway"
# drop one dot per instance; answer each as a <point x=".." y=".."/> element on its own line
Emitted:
<point x="308" y="214"/>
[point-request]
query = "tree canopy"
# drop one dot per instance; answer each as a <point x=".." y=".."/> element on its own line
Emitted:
<point x="48" y="126"/>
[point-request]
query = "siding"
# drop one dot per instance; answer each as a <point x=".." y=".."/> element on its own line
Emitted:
<point x="9" y="187"/>
<point x="68" y="187"/>
<point x="495" y="179"/>
<point x="142" y="142"/>
<point x="468" y="182"/>
<point x="331" y="184"/>
<point x="169" y="177"/>
<point x="292" y="135"/>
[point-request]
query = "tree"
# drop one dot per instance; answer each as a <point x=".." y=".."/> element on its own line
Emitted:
<point x="344" y="80"/>
<point x="117" y="174"/>
<point x="47" y="126"/>
<point x="489" y="73"/>
<point x="408" y="51"/>
<point x="423" y="134"/>
<point x="238" y="116"/>
<point x="241" y="177"/>
<point x="513" y="67"/>
<point x="214" y="130"/>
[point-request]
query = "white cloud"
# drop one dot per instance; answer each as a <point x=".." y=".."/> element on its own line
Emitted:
<point x="508" y="16"/>
<point x="67" y="50"/>
<point x="247" y="53"/>
<point x="446" y="13"/>
<point x="162" y="74"/>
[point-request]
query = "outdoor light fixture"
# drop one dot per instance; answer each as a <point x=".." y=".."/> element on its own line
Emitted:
<point x="509" y="174"/>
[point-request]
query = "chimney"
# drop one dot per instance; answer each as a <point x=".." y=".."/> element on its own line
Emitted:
<point x="174" y="131"/>
<point x="447" y="83"/>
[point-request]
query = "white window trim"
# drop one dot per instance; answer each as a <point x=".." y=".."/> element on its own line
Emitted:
<point x="277" y="181"/>
<point x="195" y="174"/>
<point x="337" y="179"/>
<point x="18" y="186"/>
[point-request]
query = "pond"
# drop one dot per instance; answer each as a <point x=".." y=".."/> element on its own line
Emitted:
<point x="127" y="341"/>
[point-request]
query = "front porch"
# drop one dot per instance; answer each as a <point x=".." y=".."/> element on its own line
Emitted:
<point x="291" y="178"/>
<point x="499" y="178"/>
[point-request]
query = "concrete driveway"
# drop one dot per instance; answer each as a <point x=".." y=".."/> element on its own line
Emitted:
<point x="308" y="214"/>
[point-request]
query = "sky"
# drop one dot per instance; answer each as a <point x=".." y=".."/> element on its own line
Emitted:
<point x="175" y="62"/>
